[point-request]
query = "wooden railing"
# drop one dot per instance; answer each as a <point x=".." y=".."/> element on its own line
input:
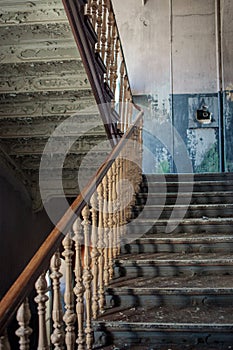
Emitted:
<point x="99" y="227"/>
<point x="96" y="33"/>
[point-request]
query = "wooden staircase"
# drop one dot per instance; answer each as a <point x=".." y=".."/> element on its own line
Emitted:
<point x="175" y="290"/>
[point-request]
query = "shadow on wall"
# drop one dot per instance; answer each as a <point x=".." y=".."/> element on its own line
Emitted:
<point x="22" y="231"/>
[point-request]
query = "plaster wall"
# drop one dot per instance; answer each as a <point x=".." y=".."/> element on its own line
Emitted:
<point x="172" y="57"/>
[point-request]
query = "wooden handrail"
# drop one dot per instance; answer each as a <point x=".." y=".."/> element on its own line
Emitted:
<point x="98" y="69"/>
<point x="40" y="261"/>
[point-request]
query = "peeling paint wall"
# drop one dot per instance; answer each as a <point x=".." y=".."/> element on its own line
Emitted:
<point x="171" y="54"/>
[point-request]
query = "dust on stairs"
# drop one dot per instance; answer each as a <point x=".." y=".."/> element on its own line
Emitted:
<point x="174" y="290"/>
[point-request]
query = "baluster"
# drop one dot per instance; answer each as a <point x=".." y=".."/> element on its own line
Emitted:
<point x="88" y="9"/>
<point x="24" y="331"/>
<point x="4" y="342"/>
<point x="69" y="317"/>
<point x="124" y="109"/>
<point x="99" y="26"/>
<point x="95" y="256"/>
<point x="121" y="201"/>
<point x="121" y="96"/>
<point x="41" y="299"/>
<point x="109" y="41"/>
<point x="124" y="193"/>
<point x="114" y="208"/>
<point x="129" y="107"/>
<point x="104" y="31"/>
<point x="57" y="337"/>
<point x="112" y="60"/>
<point x="105" y="219"/>
<point x="87" y="277"/>
<point x="141" y="147"/>
<point x="118" y="179"/>
<point x="110" y="223"/>
<point x="115" y="67"/>
<point x="94" y="8"/>
<point x="79" y="288"/>
<point x="101" y="248"/>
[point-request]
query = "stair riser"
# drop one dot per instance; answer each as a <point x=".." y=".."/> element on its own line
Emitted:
<point x="182" y="228"/>
<point x="196" y="199"/>
<point x="188" y="177"/>
<point x="152" y="300"/>
<point x="170" y="271"/>
<point x="137" y="248"/>
<point x="172" y="187"/>
<point x="153" y="338"/>
<point x="189" y="214"/>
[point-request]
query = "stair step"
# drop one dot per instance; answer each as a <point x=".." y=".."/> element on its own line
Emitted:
<point x="126" y="346"/>
<point x="193" y="225"/>
<point x="183" y="243"/>
<point x="177" y="291"/>
<point x="173" y="285"/>
<point x="188" y="177"/>
<point x="196" y="198"/>
<point x="173" y="264"/>
<point x="147" y="333"/>
<point x="191" y="211"/>
<point x="197" y="186"/>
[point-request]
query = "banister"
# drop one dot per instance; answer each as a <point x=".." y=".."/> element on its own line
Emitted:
<point x="100" y="62"/>
<point x="24" y="283"/>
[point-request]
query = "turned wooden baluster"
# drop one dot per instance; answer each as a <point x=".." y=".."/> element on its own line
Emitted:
<point x="4" y="342"/>
<point x="120" y="200"/>
<point x="99" y="25"/>
<point x="110" y="223"/>
<point x="104" y="30"/>
<point x="129" y="110"/>
<point x="87" y="277"/>
<point x="69" y="316"/>
<point x="121" y="97"/>
<point x="118" y="214"/>
<point x="125" y="104"/>
<point x="94" y="8"/>
<point x="105" y="219"/>
<point x="24" y="331"/>
<point x="115" y="67"/>
<point x="41" y="299"/>
<point x="95" y="256"/>
<point x="57" y="337"/>
<point x="79" y="287"/>
<point x="112" y="59"/>
<point x="109" y="49"/>
<point x="101" y="248"/>
<point x="114" y="208"/>
<point x="138" y="160"/>
<point x="88" y="9"/>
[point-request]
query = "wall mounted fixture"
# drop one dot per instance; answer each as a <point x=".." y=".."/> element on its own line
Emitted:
<point x="203" y="115"/>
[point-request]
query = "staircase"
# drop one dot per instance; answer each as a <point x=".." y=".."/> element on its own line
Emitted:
<point x="175" y="290"/>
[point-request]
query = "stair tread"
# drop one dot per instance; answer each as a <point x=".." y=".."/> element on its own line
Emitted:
<point x="170" y="315"/>
<point x="189" y="206"/>
<point x="143" y="346"/>
<point x="221" y="283"/>
<point x="176" y="257"/>
<point x="227" y="220"/>
<point x="187" y="194"/>
<point x="184" y="237"/>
